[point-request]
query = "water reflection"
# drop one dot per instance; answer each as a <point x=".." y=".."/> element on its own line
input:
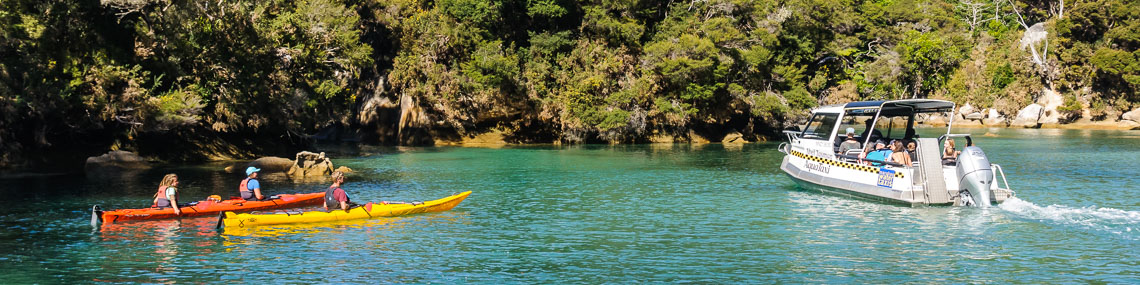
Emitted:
<point x="595" y="214"/>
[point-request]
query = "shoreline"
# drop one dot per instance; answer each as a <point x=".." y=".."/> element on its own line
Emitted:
<point x="1101" y="125"/>
<point x="495" y="139"/>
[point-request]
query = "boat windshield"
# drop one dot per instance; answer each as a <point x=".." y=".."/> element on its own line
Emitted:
<point x="857" y="120"/>
<point x="820" y="126"/>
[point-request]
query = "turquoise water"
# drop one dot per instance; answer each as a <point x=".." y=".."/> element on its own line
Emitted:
<point x="604" y="214"/>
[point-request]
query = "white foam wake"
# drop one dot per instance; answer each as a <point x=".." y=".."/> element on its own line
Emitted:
<point x="1121" y="222"/>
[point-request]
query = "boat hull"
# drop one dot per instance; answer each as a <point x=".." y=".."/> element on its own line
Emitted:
<point x="834" y="186"/>
<point x="205" y="208"/>
<point x="371" y="210"/>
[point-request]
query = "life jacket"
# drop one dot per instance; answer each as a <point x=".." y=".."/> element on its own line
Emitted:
<point x="160" y="198"/>
<point x="243" y="189"/>
<point x="330" y="198"/>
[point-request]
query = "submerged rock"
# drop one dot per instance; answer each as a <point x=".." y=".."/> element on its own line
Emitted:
<point x="271" y="164"/>
<point x="116" y="159"/>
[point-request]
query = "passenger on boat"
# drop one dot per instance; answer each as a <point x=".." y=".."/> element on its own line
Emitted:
<point x="250" y="188"/>
<point x="910" y="148"/>
<point x="875" y="134"/>
<point x="949" y="154"/>
<point x="167" y="195"/>
<point x="850" y="143"/>
<point x="899" y="154"/>
<point x="881" y="153"/>
<point x="335" y="197"/>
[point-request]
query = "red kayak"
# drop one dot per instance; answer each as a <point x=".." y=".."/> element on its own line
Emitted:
<point x="208" y="207"/>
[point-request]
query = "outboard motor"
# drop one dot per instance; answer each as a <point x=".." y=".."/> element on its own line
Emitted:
<point x="975" y="176"/>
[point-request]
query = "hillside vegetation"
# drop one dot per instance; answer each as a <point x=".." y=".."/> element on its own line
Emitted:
<point x="230" y="77"/>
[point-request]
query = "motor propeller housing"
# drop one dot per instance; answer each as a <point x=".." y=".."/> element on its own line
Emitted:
<point x="975" y="175"/>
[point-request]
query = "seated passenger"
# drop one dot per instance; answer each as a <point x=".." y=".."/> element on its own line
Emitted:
<point x="899" y="154"/>
<point x="250" y="188"/>
<point x="881" y="153"/>
<point x="335" y="197"/>
<point x="850" y="143"/>
<point x="910" y="148"/>
<point x="871" y="131"/>
<point x="167" y="195"/>
<point x="949" y="154"/>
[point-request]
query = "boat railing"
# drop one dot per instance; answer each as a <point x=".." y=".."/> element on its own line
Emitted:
<point x="857" y="158"/>
<point x="969" y="141"/>
<point x="1000" y="173"/>
<point x="784" y="147"/>
<point x="792" y="135"/>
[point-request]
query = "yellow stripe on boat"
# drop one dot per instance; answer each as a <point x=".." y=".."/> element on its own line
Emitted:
<point x="236" y="220"/>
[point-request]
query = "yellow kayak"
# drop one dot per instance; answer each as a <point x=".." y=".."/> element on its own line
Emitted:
<point x="370" y="210"/>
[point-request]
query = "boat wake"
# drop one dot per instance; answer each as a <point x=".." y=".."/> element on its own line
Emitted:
<point x="1123" y="223"/>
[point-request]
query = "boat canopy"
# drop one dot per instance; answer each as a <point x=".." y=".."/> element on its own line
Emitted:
<point x="904" y="107"/>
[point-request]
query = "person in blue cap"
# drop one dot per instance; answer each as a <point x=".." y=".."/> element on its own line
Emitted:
<point x="250" y="189"/>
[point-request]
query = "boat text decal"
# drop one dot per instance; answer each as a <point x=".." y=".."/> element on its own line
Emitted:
<point x="818" y="167"/>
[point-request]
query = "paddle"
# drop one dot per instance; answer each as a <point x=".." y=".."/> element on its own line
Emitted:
<point x="221" y="221"/>
<point x="95" y="216"/>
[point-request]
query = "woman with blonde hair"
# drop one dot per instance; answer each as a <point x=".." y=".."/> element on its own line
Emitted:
<point x="949" y="154"/>
<point x="336" y="197"/>
<point x="167" y="195"/>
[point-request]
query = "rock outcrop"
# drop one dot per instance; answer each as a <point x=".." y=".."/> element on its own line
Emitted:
<point x="733" y="137"/>
<point x="309" y="164"/>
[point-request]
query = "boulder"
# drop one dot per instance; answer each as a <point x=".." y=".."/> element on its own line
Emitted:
<point x="344" y="169"/>
<point x="1133" y="115"/>
<point x="975" y="116"/>
<point x="994" y="118"/>
<point x="116" y="159"/>
<point x="1050" y="116"/>
<point x="309" y="164"/>
<point x="696" y="138"/>
<point x="733" y="137"/>
<point x="270" y="164"/>
<point x="1027" y="117"/>
<point x="966" y="109"/>
<point x="935" y="120"/>
<point x="1050" y="100"/>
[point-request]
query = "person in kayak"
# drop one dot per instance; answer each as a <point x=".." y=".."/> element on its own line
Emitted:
<point x="250" y="189"/>
<point x="167" y="195"/>
<point x="335" y="197"/>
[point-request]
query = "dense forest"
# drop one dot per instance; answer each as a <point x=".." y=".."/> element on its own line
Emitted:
<point x="237" y="78"/>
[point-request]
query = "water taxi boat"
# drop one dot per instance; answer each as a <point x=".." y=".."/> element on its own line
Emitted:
<point x="813" y="159"/>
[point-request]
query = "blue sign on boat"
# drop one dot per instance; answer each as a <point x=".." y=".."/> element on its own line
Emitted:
<point x="886" y="177"/>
